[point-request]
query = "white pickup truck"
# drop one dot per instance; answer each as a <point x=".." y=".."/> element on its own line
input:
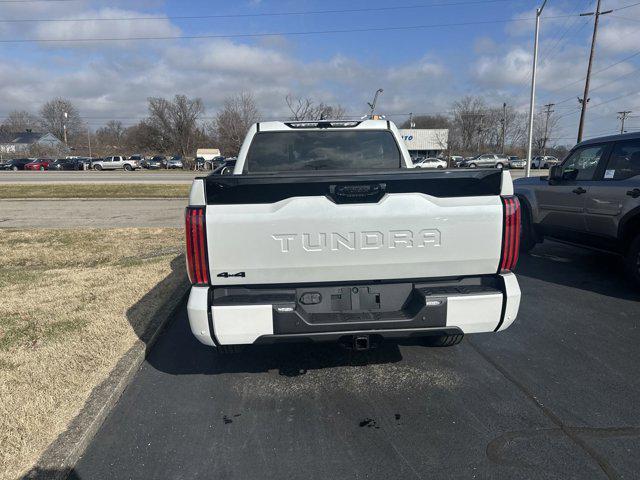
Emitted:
<point x="325" y="232"/>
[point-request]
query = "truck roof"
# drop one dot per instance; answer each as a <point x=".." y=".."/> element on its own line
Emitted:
<point x="611" y="138"/>
<point x="323" y="124"/>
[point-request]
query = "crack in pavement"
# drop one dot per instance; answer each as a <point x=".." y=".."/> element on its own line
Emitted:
<point x="570" y="432"/>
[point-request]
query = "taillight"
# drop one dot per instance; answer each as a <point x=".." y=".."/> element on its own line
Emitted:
<point x="511" y="233"/>
<point x="197" y="261"/>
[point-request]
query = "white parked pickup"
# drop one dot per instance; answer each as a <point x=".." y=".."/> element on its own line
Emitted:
<point x="326" y="232"/>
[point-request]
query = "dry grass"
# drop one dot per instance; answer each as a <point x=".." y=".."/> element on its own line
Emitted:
<point x="66" y="317"/>
<point x="94" y="190"/>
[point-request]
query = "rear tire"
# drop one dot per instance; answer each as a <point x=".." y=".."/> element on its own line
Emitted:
<point x="632" y="260"/>
<point x="546" y="166"/>
<point x="472" y="165"/>
<point x="127" y="168"/>
<point x="443" y="340"/>
<point x="229" y="349"/>
<point x="14" y="168"/>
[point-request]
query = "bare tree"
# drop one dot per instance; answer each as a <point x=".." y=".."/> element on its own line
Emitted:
<point x="306" y="109"/>
<point x="231" y="124"/>
<point x="19" y="121"/>
<point x="468" y="124"/>
<point x="175" y="123"/>
<point x="111" y="135"/>
<point x="53" y="119"/>
<point x="428" y="121"/>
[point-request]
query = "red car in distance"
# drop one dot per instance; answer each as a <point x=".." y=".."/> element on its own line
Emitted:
<point x="40" y="164"/>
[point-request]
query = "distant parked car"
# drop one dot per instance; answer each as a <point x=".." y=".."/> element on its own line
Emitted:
<point x="39" y="164"/>
<point x="546" y="161"/>
<point x="516" y="162"/>
<point x="226" y="167"/>
<point x="155" y="162"/>
<point x="485" y="160"/>
<point x="66" y="164"/>
<point x="456" y="160"/>
<point x="431" y="162"/>
<point x="17" y="163"/>
<point x="115" y="163"/>
<point x="174" y="162"/>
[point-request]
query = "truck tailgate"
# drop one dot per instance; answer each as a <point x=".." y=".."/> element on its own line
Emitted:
<point x="361" y="227"/>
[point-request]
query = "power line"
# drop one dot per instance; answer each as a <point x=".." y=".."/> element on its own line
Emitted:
<point x="262" y="14"/>
<point x="629" y="57"/>
<point x="269" y="34"/>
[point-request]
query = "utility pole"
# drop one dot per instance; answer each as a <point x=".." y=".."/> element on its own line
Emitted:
<point x="533" y="87"/>
<point x="585" y="97"/>
<point x="622" y="116"/>
<point x="504" y="125"/>
<point x="548" y="113"/>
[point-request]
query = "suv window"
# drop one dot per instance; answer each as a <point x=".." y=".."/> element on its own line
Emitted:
<point x="323" y="150"/>
<point x="582" y="163"/>
<point x="625" y="161"/>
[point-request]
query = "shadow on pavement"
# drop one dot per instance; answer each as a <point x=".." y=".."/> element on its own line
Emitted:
<point x="580" y="268"/>
<point x="177" y="352"/>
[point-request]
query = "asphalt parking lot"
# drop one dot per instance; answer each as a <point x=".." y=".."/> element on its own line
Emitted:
<point x="555" y="396"/>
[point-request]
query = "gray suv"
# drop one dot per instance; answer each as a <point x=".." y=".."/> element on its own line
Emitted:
<point x="592" y="199"/>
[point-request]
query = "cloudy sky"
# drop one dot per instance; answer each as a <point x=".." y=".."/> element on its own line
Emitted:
<point x="423" y="53"/>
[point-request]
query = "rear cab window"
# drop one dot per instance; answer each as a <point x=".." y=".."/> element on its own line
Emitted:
<point x="624" y="161"/>
<point x="286" y="151"/>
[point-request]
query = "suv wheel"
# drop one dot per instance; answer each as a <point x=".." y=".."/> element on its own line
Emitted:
<point x="499" y="166"/>
<point x="127" y="167"/>
<point x="15" y="168"/>
<point x="443" y="340"/>
<point x="97" y="167"/>
<point x="632" y="260"/>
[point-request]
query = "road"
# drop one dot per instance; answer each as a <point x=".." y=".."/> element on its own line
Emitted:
<point x="92" y="213"/>
<point x="138" y="176"/>
<point x="555" y="396"/>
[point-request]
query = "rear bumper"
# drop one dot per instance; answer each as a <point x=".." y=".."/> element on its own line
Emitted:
<point x="238" y="315"/>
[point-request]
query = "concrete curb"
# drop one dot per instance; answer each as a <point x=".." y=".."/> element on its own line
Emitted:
<point x="58" y="460"/>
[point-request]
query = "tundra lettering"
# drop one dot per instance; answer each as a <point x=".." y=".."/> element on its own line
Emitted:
<point x="353" y="241"/>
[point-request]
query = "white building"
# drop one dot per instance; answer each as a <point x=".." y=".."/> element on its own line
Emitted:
<point x="425" y="142"/>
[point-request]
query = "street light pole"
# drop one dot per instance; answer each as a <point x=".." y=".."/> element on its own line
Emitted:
<point x="64" y="127"/>
<point x="533" y="87"/>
